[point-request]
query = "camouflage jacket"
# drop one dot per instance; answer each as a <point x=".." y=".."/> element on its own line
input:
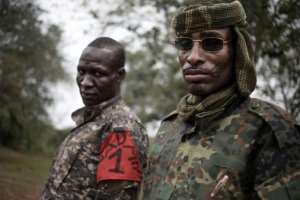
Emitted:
<point x="74" y="170"/>
<point x="251" y="151"/>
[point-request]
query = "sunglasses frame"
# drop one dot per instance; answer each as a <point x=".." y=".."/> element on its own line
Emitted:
<point x="200" y="42"/>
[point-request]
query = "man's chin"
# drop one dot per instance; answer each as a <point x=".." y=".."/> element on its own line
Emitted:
<point x="198" y="90"/>
<point x="89" y="102"/>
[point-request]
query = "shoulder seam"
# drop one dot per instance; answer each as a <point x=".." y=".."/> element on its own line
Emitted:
<point x="279" y="124"/>
<point x="170" y="115"/>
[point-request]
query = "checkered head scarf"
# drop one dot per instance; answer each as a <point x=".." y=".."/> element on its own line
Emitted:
<point x="217" y="14"/>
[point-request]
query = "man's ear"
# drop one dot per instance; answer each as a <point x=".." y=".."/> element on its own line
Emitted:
<point x="121" y="74"/>
<point x="177" y="59"/>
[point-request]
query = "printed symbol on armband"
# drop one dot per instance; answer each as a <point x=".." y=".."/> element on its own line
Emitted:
<point x="118" y="158"/>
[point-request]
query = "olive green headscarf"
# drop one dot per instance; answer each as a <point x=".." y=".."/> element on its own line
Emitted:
<point x="216" y="14"/>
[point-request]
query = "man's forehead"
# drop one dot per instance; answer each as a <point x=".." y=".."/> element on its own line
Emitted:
<point x="215" y="32"/>
<point x="105" y="56"/>
<point x="223" y="33"/>
<point x="95" y="50"/>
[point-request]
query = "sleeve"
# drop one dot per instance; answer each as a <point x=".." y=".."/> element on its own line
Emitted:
<point x="122" y="159"/>
<point x="278" y="166"/>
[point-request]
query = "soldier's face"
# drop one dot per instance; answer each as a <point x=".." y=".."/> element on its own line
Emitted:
<point x="207" y="66"/>
<point x="98" y="78"/>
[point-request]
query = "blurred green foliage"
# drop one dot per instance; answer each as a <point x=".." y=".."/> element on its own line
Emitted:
<point x="29" y="62"/>
<point x="154" y="83"/>
<point x="276" y="27"/>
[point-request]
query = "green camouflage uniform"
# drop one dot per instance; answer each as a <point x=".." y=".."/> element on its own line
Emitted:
<point x="228" y="146"/>
<point x="73" y="173"/>
<point x="253" y="142"/>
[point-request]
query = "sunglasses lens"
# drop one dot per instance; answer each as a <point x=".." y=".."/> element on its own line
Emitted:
<point x="212" y="44"/>
<point x="183" y="43"/>
<point x="208" y="44"/>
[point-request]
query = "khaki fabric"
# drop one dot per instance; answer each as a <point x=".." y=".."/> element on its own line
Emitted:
<point x="211" y="107"/>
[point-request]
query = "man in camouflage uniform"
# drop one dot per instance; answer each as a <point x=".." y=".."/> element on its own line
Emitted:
<point x="219" y="143"/>
<point x="104" y="156"/>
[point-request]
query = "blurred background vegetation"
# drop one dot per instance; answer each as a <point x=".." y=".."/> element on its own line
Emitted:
<point x="31" y="63"/>
<point x="275" y="26"/>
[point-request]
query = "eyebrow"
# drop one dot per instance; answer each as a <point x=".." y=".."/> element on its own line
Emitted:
<point x="210" y="34"/>
<point x="93" y="68"/>
<point x="204" y="34"/>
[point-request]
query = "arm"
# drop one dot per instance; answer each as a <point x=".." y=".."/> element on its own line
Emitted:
<point x="118" y="190"/>
<point x="121" y="165"/>
<point x="278" y="167"/>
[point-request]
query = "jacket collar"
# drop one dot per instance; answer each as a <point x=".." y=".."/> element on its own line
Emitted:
<point x="88" y="113"/>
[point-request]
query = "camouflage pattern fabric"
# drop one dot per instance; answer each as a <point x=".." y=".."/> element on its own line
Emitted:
<point x="211" y="105"/>
<point x="73" y="173"/>
<point x="205" y="15"/>
<point x="251" y="151"/>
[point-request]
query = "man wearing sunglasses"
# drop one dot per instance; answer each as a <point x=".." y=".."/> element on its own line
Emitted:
<point x="219" y="143"/>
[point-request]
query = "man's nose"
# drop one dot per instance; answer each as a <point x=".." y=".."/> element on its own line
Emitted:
<point x="86" y="81"/>
<point x="196" y="55"/>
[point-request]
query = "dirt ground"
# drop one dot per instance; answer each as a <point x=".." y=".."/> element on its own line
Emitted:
<point x="22" y="176"/>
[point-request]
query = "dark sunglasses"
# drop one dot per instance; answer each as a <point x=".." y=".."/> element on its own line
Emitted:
<point x="208" y="44"/>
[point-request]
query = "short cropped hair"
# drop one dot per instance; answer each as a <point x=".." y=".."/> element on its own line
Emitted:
<point x="115" y="46"/>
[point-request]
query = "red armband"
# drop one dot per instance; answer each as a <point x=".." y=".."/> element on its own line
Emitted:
<point x="118" y="159"/>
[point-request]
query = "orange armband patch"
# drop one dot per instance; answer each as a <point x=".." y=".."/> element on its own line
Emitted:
<point x="119" y="159"/>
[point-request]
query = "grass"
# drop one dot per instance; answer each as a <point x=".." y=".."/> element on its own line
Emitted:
<point x="22" y="175"/>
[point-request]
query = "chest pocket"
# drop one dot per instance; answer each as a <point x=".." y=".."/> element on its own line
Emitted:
<point x="161" y="156"/>
<point x="225" y="171"/>
<point x="198" y="168"/>
<point x="77" y="149"/>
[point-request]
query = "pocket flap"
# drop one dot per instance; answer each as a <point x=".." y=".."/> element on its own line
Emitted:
<point x="231" y="162"/>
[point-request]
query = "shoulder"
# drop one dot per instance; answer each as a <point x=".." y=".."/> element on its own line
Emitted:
<point x="120" y="115"/>
<point x="168" y="123"/>
<point x="277" y="163"/>
<point x="281" y="123"/>
<point x="171" y="116"/>
<point x="123" y="120"/>
<point x="269" y="111"/>
<point x="272" y="114"/>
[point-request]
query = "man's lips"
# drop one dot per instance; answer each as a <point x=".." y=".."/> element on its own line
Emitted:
<point x="198" y="78"/>
<point x="87" y="95"/>
<point x="197" y="75"/>
<point x="200" y="73"/>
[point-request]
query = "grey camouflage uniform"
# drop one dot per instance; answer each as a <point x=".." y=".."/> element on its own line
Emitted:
<point x="73" y="173"/>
